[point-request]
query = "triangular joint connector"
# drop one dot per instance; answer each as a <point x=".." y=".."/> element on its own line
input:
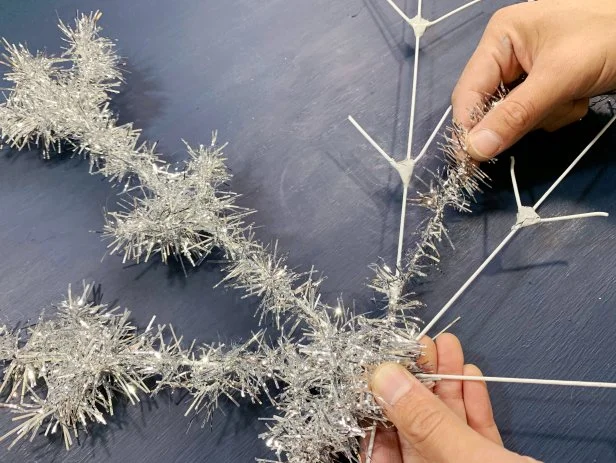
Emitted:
<point x="419" y="25"/>
<point x="405" y="169"/>
<point x="526" y="217"/>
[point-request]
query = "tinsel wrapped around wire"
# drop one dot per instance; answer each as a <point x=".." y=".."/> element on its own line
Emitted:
<point x="81" y="358"/>
<point x="325" y="405"/>
<point x="63" y="372"/>
<point x="67" y="370"/>
<point x="455" y="187"/>
<point x="184" y="213"/>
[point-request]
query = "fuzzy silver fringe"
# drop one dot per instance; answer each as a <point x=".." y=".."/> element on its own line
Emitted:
<point x="453" y="188"/>
<point x="64" y="372"/>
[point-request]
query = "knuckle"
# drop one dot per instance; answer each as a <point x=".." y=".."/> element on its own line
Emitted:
<point x="507" y="14"/>
<point x="517" y="116"/>
<point x="499" y="16"/>
<point x="421" y="422"/>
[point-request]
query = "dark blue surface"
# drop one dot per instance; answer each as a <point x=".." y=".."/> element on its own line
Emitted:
<point x="277" y="79"/>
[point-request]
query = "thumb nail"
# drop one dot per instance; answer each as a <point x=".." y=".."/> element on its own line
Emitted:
<point x="485" y="143"/>
<point x="390" y="382"/>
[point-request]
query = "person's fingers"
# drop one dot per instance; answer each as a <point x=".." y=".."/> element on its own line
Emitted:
<point x="478" y="406"/>
<point x="516" y="115"/>
<point x="429" y="426"/>
<point x="409" y="452"/>
<point x="386" y="447"/>
<point x="450" y="362"/>
<point x="493" y="62"/>
<point x="565" y="114"/>
<point x="428" y="360"/>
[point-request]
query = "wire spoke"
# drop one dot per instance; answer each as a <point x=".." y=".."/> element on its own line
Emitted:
<point x="498" y="379"/>
<point x="574" y="217"/>
<point x="454" y="12"/>
<point x="424" y="150"/>
<point x="574" y="163"/>
<point x="399" y="11"/>
<point x="374" y="144"/>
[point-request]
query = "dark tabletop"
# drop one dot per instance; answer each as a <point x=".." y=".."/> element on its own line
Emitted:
<point x="278" y="78"/>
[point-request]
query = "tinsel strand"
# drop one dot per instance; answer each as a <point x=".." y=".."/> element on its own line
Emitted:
<point x="185" y="212"/>
<point x="454" y="188"/>
<point x="62" y="373"/>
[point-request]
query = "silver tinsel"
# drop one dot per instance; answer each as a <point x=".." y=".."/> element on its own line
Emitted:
<point x="82" y="358"/>
<point x="66" y="371"/>
<point x="454" y="188"/>
<point x="62" y="373"/>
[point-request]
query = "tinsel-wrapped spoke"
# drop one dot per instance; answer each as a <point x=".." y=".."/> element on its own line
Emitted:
<point x="453" y="188"/>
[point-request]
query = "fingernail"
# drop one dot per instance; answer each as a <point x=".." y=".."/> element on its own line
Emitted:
<point x="485" y="143"/>
<point x="390" y="382"/>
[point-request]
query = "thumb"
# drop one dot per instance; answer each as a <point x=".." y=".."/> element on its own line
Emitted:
<point x="431" y="429"/>
<point x="521" y="110"/>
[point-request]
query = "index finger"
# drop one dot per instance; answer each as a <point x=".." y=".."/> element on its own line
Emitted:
<point x="479" y="413"/>
<point x="493" y="62"/>
<point x="428" y="360"/>
<point x="450" y="362"/>
<point x="385" y="447"/>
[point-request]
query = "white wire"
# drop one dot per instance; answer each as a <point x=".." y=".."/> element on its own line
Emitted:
<point x="433" y="135"/>
<point x="575" y="216"/>
<point x="372" y="142"/>
<point x="468" y="282"/>
<point x="399" y="11"/>
<point x="409" y="147"/>
<point x="574" y="163"/>
<point x="497" y="379"/>
<point x="405" y="193"/>
<point x="516" y="192"/>
<point x="370" y="449"/>
<point x="456" y="320"/>
<point x="451" y="13"/>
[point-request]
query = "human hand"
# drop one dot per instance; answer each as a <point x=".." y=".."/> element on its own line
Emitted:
<point x="457" y="426"/>
<point x="568" y="50"/>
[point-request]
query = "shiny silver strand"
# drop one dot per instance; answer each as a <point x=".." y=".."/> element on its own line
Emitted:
<point x="8" y="343"/>
<point x="80" y="357"/>
<point x="171" y="212"/>
<point x="67" y="369"/>
<point x="62" y="373"/>
<point x="453" y="188"/>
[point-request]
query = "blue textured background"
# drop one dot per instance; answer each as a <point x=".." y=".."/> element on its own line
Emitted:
<point x="277" y="79"/>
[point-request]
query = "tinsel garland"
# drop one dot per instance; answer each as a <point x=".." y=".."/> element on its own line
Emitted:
<point x="454" y="188"/>
<point x="64" y="371"/>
